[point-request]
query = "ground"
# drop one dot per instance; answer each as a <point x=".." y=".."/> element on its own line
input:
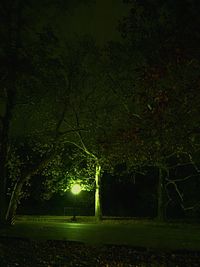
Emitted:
<point x="28" y="251"/>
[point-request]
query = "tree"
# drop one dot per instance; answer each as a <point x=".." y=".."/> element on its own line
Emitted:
<point x="87" y="113"/>
<point x="19" y="37"/>
<point x="155" y="74"/>
<point x="75" y="114"/>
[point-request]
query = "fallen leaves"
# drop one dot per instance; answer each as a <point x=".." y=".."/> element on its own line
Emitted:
<point x="27" y="253"/>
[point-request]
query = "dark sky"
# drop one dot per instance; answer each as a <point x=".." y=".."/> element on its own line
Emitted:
<point x="99" y="19"/>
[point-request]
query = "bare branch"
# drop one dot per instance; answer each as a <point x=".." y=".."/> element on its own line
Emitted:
<point x="169" y="198"/>
<point x="176" y="188"/>
<point x="180" y="195"/>
<point x="80" y="136"/>
<point x="25" y="103"/>
<point x="180" y="165"/>
<point x="82" y="147"/>
<point x="194" y="164"/>
<point x="60" y="121"/>
<point x="191" y="207"/>
<point x="71" y="131"/>
<point x="185" y="178"/>
<point x="191" y="162"/>
<point x="75" y="144"/>
<point x="119" y="97"/>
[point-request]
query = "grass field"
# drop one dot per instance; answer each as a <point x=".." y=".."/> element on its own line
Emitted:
<point x="40" y="241"/>
<point x="138" y="233"/>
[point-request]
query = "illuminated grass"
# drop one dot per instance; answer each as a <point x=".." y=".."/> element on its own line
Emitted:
<point x="138" y="233"/>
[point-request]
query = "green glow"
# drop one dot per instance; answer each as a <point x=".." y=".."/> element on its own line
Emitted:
<point x="76" y="189"/>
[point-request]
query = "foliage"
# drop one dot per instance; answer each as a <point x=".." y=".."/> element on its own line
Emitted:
<point x="154" y="74"/>
<point x="67" y="168"/>
<point x="30" y="72"/>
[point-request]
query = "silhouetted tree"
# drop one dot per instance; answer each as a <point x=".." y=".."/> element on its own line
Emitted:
<point x="155" y="74"/>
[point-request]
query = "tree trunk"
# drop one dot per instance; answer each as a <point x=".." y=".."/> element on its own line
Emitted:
<point x="14" y="200"/>
<point x="161" y="216"/>
<point x="15" y="196"/>
<point x="4" y="150"/>
<point x="2" y="197"/>
<point x="12" y="20"/>
<point x="98" y="210"/>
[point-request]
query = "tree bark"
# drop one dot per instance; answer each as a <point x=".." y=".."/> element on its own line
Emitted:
<point x="3" y="203"/>
<point x="14" y="201"/>
<point x="98" y="206"/>
<point x="4" y="150"/>
<point x="15" y="196"/>
<point x="12" y="20"/>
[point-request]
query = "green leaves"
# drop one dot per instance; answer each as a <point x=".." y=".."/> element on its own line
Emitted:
<point x="66" y="169"/>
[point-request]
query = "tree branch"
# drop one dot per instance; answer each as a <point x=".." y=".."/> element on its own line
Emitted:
<point x="191" y="207"/>
<point x="184" y="179"/>
<point x="119" y="97"/>
<point x="84" y="148"/>
<point x="71" y="131"/>
<point x="180" y="165"/>
<point x="176" y="188"/>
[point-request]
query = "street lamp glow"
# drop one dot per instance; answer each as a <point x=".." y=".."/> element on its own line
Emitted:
<point x="76" y="189"/>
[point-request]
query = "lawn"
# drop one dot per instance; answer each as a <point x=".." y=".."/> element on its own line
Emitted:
<point x="134" y="232"/>
<point x="40" y="241"/>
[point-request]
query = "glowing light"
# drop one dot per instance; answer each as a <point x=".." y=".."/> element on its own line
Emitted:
<point x="76" y="189"/>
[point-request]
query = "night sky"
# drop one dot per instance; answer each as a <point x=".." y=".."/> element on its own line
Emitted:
<point x="99" y="19"/>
